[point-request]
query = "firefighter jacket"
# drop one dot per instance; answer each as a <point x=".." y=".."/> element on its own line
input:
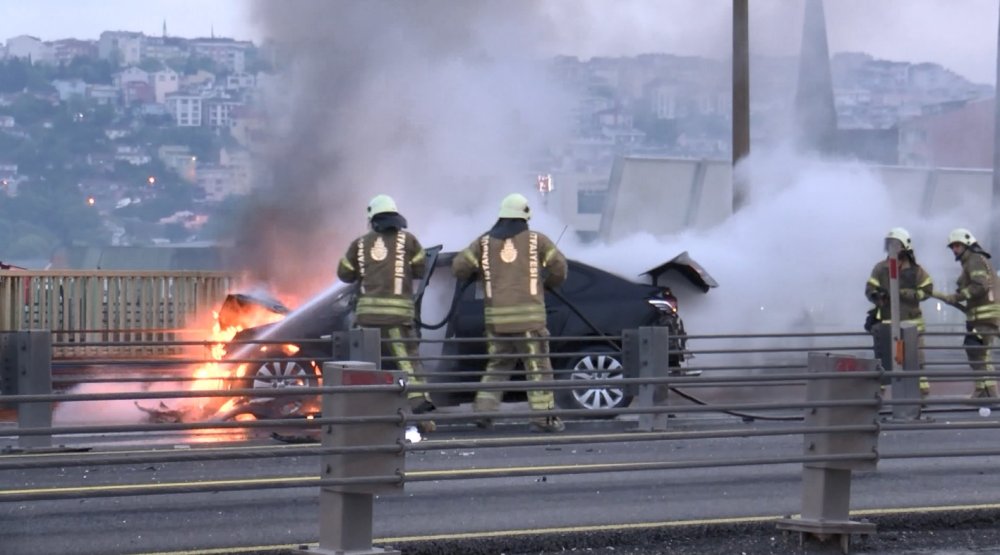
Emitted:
<point x="915" y="285"/>
<point x="514" y="270"/>
<point x="977" y="288"/>
<point x="385" y="265"/>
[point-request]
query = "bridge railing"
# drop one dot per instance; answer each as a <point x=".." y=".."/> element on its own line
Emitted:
<point x="355" y="426"/>
<point x="83" y="308"/>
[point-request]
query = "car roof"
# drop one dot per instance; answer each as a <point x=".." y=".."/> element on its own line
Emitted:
<point x="683" y="263"/>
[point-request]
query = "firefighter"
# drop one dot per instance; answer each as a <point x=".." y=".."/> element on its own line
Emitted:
<point x="977" y="296"/>
<point x="915" y="285"/>
<point x="384" y="262"/>
<point x="514" y="265"/>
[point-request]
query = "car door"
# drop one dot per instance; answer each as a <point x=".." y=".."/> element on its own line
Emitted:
<point x="432" y="254"/>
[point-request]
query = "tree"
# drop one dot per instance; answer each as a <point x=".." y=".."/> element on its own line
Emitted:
<point x="46" y="213"/>
<point x="14" y="75"/>
<point x="29" y="110"/>
<point x="89" y="70"/>
<point x="662" y="132"/>
<point x="195" y="63"/>
<point x="151" y="65"/>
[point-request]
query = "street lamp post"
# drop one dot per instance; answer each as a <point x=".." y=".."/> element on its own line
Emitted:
<point x="994" y="239"/>
<point x="741" y="80"/>
<point x="741" y="91"/>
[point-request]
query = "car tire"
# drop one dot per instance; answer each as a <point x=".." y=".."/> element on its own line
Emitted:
<point x="602" y="363"/>
<point x="281" y="373"/>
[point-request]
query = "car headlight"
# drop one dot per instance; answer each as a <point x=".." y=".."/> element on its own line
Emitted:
<point x="664" y="305"/>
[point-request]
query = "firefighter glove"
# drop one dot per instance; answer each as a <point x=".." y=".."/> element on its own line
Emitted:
<point x="907" y="294"/>
<point x="949" y="298"/>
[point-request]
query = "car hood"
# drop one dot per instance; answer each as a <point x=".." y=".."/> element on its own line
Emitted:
<point x="687" y="267"/>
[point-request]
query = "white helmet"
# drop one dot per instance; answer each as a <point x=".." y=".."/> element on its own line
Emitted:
<point x="962" y="236"/>
<point x="380" y="204"/>
<point x="515" y="206"/>
<point x="902" y="236"/>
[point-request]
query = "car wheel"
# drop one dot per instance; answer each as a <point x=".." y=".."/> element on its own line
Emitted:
<point x="278" y="374"/>
<point x="600" y="363"/>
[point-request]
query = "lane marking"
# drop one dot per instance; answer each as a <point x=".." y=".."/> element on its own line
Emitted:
<point x="442" y="442"/>
<point x="187" y="448"/>
<point x="308" y="479"/>
<point x="161" y="485"/>
<point x="225" y="550"/>
<point x="578" y="529"/>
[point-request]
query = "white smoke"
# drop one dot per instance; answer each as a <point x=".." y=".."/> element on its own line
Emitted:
<point x="797" y="257"/>
<point x="443" y="106"/>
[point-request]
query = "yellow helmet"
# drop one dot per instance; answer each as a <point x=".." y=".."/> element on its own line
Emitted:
<point x="380" y="204"/>
<point x="962" y="236"/>
<point x="515" y="206"/>
<point x="902" y="236"/>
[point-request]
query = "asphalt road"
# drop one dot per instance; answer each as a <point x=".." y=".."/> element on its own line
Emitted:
<point x="444" y="510"/>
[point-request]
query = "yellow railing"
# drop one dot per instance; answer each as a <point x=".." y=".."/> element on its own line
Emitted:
<point x="83" y="307"/>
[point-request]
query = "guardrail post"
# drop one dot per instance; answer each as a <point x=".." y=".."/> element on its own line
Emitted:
<point x="654" y="361"/>
<point x="906" y="384"/>
<point x="27" y="370"/>
<point x="366" y="344"/>
<point x="826" y="485"/>
<point x="346" y="511"/>
<point x="340" y="345"/>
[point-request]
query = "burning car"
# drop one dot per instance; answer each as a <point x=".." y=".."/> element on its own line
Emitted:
<point x="593" y="304"/>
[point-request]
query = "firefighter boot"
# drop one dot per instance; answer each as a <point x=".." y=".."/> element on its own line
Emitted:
<point x="485" y="404"/>
<point x="984" y="392"/>
<point x="423" y="405"/>
<point x="548" y="424"/>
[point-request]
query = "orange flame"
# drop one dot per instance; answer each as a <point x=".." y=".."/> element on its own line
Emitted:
<point x="212" y="375"/>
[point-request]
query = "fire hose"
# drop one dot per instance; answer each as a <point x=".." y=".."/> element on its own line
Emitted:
<point x="612" y="341"/>
<point x="678" y="391"/>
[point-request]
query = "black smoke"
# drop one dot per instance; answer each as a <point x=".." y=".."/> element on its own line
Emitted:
<point x="437" y="103"/>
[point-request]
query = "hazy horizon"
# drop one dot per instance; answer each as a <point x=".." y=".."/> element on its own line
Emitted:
<point x="962" y="40"/>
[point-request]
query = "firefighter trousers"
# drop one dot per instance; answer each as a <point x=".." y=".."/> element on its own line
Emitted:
<point x="393" y="345"/>
<point x="534" y="347"/>
<point x="884" y="350"/>
<point x="978" y="342"/>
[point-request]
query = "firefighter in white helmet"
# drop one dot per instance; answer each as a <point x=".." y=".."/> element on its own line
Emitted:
<point x="384" y="262"/>
<point x="915" y="285"/>
<point x="514" y="266"/>
<point x="977" y="295"/>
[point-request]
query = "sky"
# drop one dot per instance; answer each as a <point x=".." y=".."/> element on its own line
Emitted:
<point x="959" y="34"/>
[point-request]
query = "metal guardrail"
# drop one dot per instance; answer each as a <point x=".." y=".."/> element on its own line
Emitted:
<point x="831" y="400"/>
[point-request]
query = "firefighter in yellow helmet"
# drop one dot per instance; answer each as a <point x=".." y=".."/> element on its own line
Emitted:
<point x="915" y="285"/>
<point x="977" y="296"/>
<point x="384" y="262"/>
<point x="514" y="266"/>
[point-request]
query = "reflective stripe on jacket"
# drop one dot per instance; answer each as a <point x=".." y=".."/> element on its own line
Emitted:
<point x="384" y="265"/>
<point x="514" y="273"/>
<point x="915" y="285"/>
<point x="977" y="288"/>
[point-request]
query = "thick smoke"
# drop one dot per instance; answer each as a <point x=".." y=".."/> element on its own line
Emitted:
<point x="443" y="104"/>
<point x="796" y="258"/>
<point x="440" y="104"/>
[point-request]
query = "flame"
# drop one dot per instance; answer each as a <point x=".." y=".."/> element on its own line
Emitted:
<point x="213" y="375"/>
